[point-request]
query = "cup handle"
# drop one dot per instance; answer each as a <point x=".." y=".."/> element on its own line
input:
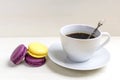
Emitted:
<point x="107" y="35"/>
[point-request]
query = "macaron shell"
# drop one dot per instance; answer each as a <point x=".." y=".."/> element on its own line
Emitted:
<point x="18" y="54"/>
<point x="35" y="62"/>
<point x="37" y="50"/>
<point x="35" y="55"/>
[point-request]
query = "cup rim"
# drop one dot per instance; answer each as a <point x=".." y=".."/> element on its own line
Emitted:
<point x="61" y="31"/>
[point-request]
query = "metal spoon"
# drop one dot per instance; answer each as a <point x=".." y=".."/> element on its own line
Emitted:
<point x="100" y="23"/>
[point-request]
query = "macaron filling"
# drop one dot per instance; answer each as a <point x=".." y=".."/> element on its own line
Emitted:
<point x="18" y="59"/>
<point x="37" y="55"/>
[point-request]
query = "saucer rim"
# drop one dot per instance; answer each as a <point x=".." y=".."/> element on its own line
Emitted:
<point x="69" y="67"/>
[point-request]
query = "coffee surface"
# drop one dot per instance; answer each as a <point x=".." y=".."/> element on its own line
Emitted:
<point x="80" y="35"/>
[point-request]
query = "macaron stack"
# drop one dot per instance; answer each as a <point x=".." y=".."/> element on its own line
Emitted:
<point x="33" y="56"/>
<point x="36" y="54"/>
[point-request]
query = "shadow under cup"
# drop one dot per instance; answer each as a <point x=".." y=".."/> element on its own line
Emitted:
<point x="79" y="50"/>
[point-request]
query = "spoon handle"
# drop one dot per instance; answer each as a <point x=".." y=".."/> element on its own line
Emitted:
<point x="100" y="23"/>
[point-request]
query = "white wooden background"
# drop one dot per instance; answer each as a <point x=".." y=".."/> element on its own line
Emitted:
<point x="30" y="18"/>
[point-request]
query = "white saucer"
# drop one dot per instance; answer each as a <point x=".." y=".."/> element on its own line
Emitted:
<point x="58" y="56"/>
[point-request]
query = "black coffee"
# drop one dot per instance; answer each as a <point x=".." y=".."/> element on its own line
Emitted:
<point x="79" y="35"/>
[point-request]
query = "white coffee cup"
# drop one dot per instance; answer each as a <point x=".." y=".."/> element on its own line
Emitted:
<point x="80" y="50"/>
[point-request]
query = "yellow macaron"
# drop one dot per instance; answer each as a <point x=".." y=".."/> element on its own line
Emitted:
<point x="37" y="50"/>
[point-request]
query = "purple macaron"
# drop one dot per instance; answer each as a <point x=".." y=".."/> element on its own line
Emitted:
<point x="35" y="62"/>
<point x="18" y="54"/>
